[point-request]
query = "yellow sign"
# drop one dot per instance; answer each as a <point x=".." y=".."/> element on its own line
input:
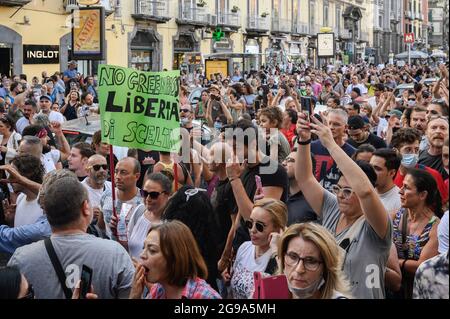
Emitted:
<point x="87" y="35"/>
<point x="88" y="2"/>
<point x="216" y="66"/>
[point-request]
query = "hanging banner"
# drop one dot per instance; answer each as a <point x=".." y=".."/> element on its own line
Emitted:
<point x="139" y="109"/>
<point x="88" y="34"/>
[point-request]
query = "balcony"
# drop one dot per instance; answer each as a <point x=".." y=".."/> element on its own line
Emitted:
<point x="147" y="10"/>
<point x="109" y="6"/>
<point x="300" y="28"/>
<point x="364" y="37"/>
<point x="314" y="29"/>
<point x="413" y="15"/>
<point x="408" y="15"/>
<point x="281" y="25"/>
<point x="258" y="24"/>
<point x="230" y="20"/>
<point x="13" y="3"/>
<point x="420" y="17"/>
<point x="196" y="16"/>
<point x="345" y="34"/>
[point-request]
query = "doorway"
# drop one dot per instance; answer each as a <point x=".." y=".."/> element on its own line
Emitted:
<point x="5" y="61"/>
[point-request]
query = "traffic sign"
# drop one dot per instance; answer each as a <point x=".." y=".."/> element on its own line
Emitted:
<point x="409" y="38"/>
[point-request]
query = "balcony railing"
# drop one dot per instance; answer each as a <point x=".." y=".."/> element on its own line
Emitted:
<point x="345" y="34"/>
<point x="229" y="19"/>
<point x="151" y="10"/>
<point x="14" y="2"/>
<point x="194" y="15"/>
<point x="300" y="28"/>
<point x="408" y="14"/>
<point x="281" y="25"/>
<point x="258" y="24"/>
<point x="364" y="36"/>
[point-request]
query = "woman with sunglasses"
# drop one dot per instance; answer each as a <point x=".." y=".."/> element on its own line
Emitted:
<point x="14" y="285"/>
<point x="355" y="214"/>
<point x="268" y="218"/>
<point x="309" y="258"/>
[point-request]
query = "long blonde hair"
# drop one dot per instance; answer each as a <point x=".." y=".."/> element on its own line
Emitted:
<point x="332" y="274"/>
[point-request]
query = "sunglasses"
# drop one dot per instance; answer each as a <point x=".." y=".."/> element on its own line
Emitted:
<point x="346" y="191"/>
<point x="153" y="195"/>
<point x="185" y="110"/>
<point x="259" y="226"/>
<point x="30" y="293"/>
<point x="98" y="166"/>
<point x="290" y="160"/>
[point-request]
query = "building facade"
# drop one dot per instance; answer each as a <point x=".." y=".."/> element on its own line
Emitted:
<point x="416" y="21"/>
<point x="178" y="34"/>
<point x="438" y="24"/>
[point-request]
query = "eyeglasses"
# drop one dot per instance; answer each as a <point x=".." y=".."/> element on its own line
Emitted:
<point x="30" y="293"/>
<point x="98" y="166"/>
<point x="185" y="110"/>
<point x="153" y="195"/>
<point x="346" y="191"/>
<point x="292" y="259"/>
<point x="259" y="226"/>
<point x="42" y="133"/>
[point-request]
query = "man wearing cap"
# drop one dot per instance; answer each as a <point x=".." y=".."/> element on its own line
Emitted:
<point x="45" y="102"/>
<point x="71" y="72"/>
<point x="214" y="101"/>
<point x="359" y="135"/>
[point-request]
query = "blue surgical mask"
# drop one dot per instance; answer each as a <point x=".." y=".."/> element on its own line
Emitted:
<point x="184" y="121"/>
<point x="218" y="125"/>
<point x="410" y="160"/>
<point x="411" y="103"/>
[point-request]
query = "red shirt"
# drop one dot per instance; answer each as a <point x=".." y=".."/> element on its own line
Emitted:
<point x="289" y="134"/>
<point x="398" y="180"/>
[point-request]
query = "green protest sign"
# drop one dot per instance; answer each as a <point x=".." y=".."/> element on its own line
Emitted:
<point x="139" y="109"/>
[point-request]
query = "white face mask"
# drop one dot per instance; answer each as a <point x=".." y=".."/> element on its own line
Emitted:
<point x="307" y="292"/>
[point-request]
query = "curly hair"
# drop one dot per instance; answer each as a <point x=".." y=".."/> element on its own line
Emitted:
<point x="29" y="167"/>
<point x="406" y="135"/>
<point x="274" y="115"/>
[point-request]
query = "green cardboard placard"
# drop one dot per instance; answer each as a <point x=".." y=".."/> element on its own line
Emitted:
<point x="139" y="109"/>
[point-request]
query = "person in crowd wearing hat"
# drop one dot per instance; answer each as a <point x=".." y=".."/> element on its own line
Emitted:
<point x="359" y="134"/>
<point x="71" y="72"/>
<point x="45" y="103"/>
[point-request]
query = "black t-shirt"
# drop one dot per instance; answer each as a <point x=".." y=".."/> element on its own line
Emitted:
<point x="434" y="162"/>
<point x="272" y="174"/>
<point x="373" y="140"/>
<point x="224" y="204"/>
<point x="299" y="211"/>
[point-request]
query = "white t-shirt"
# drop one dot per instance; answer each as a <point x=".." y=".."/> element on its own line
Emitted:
<point x="137" y="237"/>
<point x="443" y="234"/>
<point x="391" y="200"/>
<point x="56" y="117"/>
<point x="50" y="159"/>
<point x="21" y="124"/>
<point x="245" y="264"/>
<point x="27" y="212"/>
<point x="95" y="194"/>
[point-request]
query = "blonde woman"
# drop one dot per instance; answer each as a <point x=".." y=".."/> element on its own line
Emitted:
<point x="268" y="218"/>
<point x="309" y="257"/>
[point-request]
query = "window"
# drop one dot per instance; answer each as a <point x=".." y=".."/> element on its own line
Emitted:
<point x="338" y="19"/>
<point x="312" y="16"/>
<point x="392" y="5"/>
<point x="380" y="21"/>
<point x="325" y="16"/>
<point x="295" y="11"/>
<point x="253" y="8"/>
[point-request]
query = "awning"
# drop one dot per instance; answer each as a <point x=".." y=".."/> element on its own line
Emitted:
<point x="413" y="55"/>
<point x="224" y="55"/>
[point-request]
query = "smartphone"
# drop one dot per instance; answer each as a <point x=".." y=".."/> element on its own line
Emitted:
<point x="86" y="281"/>
<point x="258" y="182"/>
<point x="273" y="287"/>
<point x="305" y="102"/>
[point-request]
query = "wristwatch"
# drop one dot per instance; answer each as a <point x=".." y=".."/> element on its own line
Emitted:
<point x="304" y="142"/>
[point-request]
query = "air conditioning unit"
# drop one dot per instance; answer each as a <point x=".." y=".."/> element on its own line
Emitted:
<point x="212" y="19"/>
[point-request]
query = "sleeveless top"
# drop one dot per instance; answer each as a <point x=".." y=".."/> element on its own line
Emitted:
<point x="414" y="243"/>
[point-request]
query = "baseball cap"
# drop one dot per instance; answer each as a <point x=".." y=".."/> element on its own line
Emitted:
<point x="45" y="97"/>
<point x="355" y="122"/>
<point x="327" y="82"/>
<point x="213" y="87"/>
<point x="73" y="62"/>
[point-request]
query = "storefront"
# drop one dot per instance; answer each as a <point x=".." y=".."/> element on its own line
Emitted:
<point x="11" y="55"/>
<point x="145" y="50"/>
<point x="185" y="53"/>
<point x="277" y="53"/>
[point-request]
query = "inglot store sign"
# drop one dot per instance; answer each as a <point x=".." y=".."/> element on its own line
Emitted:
<point x="40" y="54"/>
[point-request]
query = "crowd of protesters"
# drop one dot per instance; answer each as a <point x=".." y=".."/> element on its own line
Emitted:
<point x="335" y="178"/>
